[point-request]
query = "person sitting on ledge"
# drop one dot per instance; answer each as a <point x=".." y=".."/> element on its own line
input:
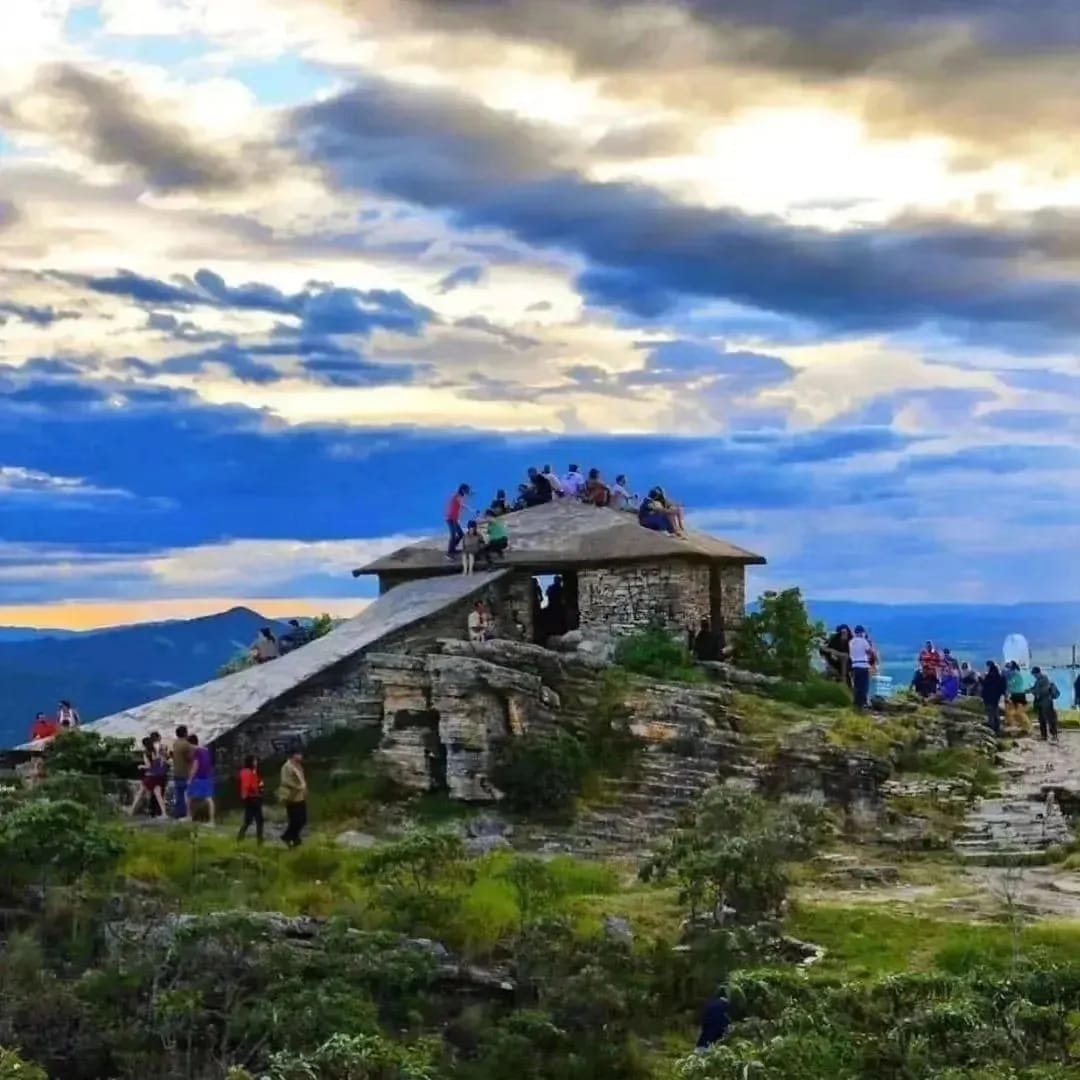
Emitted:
<point x="573" y="483"/>
<point x="499" y="505"/>
<point x="265" y="647"/>
<point x="596" y="493"/>
<point x="621" y="499"/>
<point x="44" y="727"/>
<point x="674" y="510"/>
<point x="539" y="490"/>
<point x="479" y="623"/>
<point x="652" y="514"/>
<point x="554" y="481"/>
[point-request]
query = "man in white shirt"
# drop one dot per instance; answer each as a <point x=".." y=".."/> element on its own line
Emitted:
<point x="573" y="483"/>
<point x="479" y="623"/>
<point x="621" y="499"/>
<point x="553" y="480"/>
<point x="861" y="653"/>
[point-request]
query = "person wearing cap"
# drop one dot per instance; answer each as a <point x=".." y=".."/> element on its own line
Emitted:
<point x="861" y="653"/>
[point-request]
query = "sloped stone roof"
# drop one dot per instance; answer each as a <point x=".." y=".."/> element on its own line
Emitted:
<point x="216" y="708"/>
<point x="566" y="533"/>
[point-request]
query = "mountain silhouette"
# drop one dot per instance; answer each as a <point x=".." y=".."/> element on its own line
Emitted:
<point x="104" y="671"/>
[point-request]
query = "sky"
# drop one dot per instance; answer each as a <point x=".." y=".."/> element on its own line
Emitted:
<point x="277" y="275"/>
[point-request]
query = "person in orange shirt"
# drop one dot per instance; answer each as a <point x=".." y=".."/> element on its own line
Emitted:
<point x="251" y="792"/>
<point x="44" y="727"/>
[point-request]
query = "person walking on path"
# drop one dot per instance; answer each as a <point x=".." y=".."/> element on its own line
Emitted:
<point x="994" y="688"/>
<point x="1044" y="693"/>
<point x="454" y="509"/>
<point x="251" y="794"/>
<point x="293" y="792"/>
<point x="201" y="778"/>
<point x="155" y="769"/>
<point x="861" y="654"/>
<point x="182" y="755"/>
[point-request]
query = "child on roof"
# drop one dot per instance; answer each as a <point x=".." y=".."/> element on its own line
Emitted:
<point x="471" y="546"/>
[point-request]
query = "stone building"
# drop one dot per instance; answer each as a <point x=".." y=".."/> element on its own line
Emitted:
<point x="617" y="577"/>
<point x="404" y="664"/>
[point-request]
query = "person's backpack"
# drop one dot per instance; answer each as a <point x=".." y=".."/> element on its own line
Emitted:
<point x="1055" y="693"/>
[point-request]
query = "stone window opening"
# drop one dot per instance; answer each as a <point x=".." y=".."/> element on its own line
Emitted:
<point x="555" y="605"/>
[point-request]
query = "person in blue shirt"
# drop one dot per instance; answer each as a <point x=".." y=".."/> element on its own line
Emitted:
<point x="715" y="1020"/>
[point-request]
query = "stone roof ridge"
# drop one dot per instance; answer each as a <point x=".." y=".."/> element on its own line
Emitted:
<point x="567" y="532"/>
<point x="215" y="708"/>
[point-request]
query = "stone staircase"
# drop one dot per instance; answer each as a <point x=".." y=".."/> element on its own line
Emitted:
<point x="1026" y="819"/>
<point x="630" y="814"/>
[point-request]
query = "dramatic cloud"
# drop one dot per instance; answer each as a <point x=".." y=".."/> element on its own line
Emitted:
<point x="646" y="250"/>
<point x="108" y="120"/>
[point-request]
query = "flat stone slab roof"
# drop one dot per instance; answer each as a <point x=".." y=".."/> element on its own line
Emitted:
<point x="218" y="707"/>
<point x="567" y="532"/>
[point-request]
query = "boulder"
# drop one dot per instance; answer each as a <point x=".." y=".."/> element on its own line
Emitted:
<point x="356" y="840"/>
<point x="618" y="929"/>
<point x="485" y="845"/>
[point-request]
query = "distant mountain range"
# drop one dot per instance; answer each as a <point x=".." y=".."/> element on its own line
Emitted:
<point x="105" y="671"/>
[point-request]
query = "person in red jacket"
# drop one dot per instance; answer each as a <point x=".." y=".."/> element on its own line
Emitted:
<point x="44" y="727"/>
<point x="251" y="793"/>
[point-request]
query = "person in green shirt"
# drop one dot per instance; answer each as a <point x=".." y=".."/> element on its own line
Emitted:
<point x="498" y="538"/>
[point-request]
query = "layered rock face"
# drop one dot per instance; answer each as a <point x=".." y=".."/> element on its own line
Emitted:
<point x="446" y="712"/>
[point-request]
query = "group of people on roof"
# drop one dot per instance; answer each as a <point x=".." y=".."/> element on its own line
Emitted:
<point x="268" y="646"/>
<point x="483" y="536"/>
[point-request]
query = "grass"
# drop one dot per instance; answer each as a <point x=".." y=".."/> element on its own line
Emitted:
<point x="858" y="731"/>
<point x="870" y="941"/>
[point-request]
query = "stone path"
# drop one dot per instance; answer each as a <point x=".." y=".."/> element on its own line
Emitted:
<point x="1026" y="818"/>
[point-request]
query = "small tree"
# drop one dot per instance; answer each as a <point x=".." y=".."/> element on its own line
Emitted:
<point x="779" y="638"/>
<point x="43" y="838"/>
<point x="87" y="752"/>
<point x="13" y="1067"/>
<point x="734" y="853"/>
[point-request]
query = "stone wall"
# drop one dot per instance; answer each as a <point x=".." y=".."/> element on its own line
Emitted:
<point x="344" y="695"/>
<point x="728" y="595"/>
<point x="623" y="599"/>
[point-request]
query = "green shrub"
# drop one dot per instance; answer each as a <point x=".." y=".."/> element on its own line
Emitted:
<point x="656" y="653"/>
<point x="81" y="751"/>
<point x="541" y="774"/>
<point x="13" y="1067"/>
<point x="779" y="638"/>
<point x="812" y="693"/>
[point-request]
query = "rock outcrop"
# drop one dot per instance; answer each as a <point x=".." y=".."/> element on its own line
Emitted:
<point x="444" y="713"/>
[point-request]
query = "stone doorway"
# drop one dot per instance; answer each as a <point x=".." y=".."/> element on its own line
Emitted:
<point x="555" y="605"/>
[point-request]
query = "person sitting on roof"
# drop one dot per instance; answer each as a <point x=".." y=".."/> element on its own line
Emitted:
<point x="43" y="727"/>
<point x="67" y="716"/>
<point x="297" y="636"/>
<point x="553" y="480"/>
<point x="596" y="492"/>
<point x="265" y="646"/>
<point x="674" y="510"/>
<point x="573" y="483"/>
<point x="540" y="491"/>
<point x="652" y="514"/>
<point x="499" y="505"/>
<point x="498" y="539"/>
<point x="621" y="499"/>
<point x="522" y="500"/>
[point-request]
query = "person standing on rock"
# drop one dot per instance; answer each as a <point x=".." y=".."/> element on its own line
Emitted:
<point x="1044" y="693"/>
<point x="293" y="793"/>
<point x="471" y="545"/>
<point x="454" y="509"/>
<point x="994" y="688"/>
<point x="861" y="654"/>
